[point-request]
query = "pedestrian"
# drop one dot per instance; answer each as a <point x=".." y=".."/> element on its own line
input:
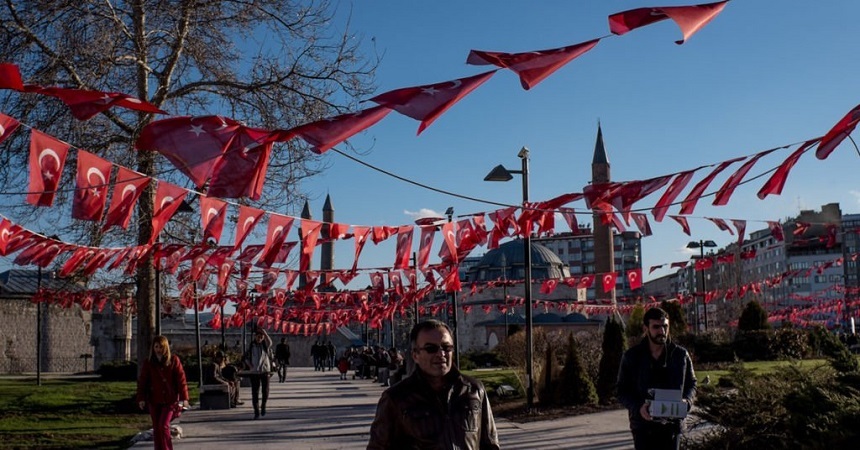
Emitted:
<point x="655" y="363"/>
<point x="258" y="362"/>
<point x="436" y="407"/>
<point x="343" y="366"/>
<point x="162" y="388"/>
<point x="282" y="359"/>
<point x="331" y="353"/>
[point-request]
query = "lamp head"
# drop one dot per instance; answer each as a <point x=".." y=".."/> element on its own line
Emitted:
<point x="449" y="211"/>
<point x="499" y="173"/>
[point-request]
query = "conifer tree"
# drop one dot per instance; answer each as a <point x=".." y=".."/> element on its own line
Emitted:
<point x="575" y="387"/>
<point x="613" y="348"/>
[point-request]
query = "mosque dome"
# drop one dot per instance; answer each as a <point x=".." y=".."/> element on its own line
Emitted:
<point x="507" y="262"/>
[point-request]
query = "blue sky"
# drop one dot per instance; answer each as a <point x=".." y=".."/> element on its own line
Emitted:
<point x="762" y="74"/>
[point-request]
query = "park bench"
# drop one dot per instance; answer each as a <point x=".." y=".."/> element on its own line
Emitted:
<point x="214" y="396"/>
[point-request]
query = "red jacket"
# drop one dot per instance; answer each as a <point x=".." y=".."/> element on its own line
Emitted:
<point x="159" y="384"/>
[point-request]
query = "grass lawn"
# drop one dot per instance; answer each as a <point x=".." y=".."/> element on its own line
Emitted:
<point x="493" y="378"/>
<point x="69" y="414"/>
<point x="758" y="368"/>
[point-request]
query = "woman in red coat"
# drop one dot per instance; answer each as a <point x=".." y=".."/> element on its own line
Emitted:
<point x="163" y="389"/>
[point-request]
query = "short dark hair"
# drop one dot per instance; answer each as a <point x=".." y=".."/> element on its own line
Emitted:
<point x="430" y="324"/>
<point x="654" y="314"/>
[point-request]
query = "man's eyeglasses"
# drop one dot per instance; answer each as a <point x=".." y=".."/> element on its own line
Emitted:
<point x="433" y="348"/>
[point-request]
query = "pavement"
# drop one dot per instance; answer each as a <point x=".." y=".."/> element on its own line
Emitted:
<point x="318" y="411"/>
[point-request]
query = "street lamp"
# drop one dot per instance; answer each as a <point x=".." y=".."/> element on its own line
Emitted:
<point x="500" y="173"/>
<point x="701" y="246"/>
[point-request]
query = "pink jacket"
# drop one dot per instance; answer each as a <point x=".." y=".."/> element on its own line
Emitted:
<point x="159" y="384"/>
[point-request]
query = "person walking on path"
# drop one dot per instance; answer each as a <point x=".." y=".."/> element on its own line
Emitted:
<point x="436" y="407"/>
<point x="655" y="363"/>
<point x="282" y="359"/>
<point x="162" y="388"/>
<point x="258" y="362"/>
<point x="331" y="354"/>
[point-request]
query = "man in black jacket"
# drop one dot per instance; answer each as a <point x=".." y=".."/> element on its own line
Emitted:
<point x="655" y="363"/>
<point x="436" y="407"/>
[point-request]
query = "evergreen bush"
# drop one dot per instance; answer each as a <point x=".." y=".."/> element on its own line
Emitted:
<point x="612" y="349"/>
<point x="574" y="386"/>
<point x="753" y="317"/>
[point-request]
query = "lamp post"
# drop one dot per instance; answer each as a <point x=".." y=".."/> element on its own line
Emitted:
<point x="701" y="244"/>
<point x="500" y="173"/>
<point x="450" y="213"/>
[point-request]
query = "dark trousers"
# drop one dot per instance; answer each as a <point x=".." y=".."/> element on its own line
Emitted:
<point x="282" y="371"/>
<point x="258" y="381"/>
<point x="657" y="437"/>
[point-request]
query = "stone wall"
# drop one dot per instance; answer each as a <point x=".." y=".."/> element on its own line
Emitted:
<point x="65" y="338"/>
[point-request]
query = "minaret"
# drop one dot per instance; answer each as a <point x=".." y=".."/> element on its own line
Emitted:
<point x="327" y="256"/>
<point x="604" y="251"/>
<point x="306" y="214"/>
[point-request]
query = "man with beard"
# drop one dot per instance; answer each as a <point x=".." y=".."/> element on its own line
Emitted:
<point x="655" y="363"/>
<point x="436" y="407"/>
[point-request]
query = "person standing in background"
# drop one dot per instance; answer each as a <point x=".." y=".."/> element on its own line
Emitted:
<point x="258" y="362"/>
<point x="162" y="388"/>
<point x="282" y="359"/>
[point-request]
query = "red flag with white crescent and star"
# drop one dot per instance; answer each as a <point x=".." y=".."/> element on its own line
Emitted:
<point x="685" y="225"/>
<point x="449" y="250"/>
<point x="168" y="198"/>
<point x="279" y="228"/>
<point x="838" y="133"/>
<point x="127" y="189"/>
<point x="8" y="125"/>
<point x="10" y="77"/>
<point x="776" y="182"/>
<point x="360" y="235"/>
<point x="689" y="18"/>
<point x="426" y="103"/>
<point x="213" y="211"/>
<point x="688" y="205"/>
<point x="532" y="67"/>
<point x="85" y="104"/>
<point x="404" y="247"/>
<point x="91" y="186"/>
<point x="634" y="278"/>
<point x="725" y="192"/>
<point x="248" y="219"/>
<point x="427" y="234"/>
<point x="326" y="133"/>
<point x="609" y="280"/>
<point x="310" y="234"/>
<point x="678" y="184"/>
<point x="47" y="158"/>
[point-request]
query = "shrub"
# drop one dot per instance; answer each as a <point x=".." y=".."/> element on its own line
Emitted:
<point x="837" y="353"/>
<point x="677" y="321"/>
<point x="118" y="371"/>
<point x="753" y="345"/>
<point x="790" y="343"/>
<point x="634" y="322"/>
<point x="612" y="349"/>
<point x="574" y="386"/>
<point x="480" y="359"/>
<point x="753" y="317"/>
<point x="513" y="352"/>
<point x="712" y="346"/>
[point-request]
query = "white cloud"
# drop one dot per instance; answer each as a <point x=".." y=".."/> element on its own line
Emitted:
<point x="421" y="213"/>
<point x="855" y="194"/>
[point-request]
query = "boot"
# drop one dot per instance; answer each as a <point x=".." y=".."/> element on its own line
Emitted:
<point x="257" y="411"/>
<point x="263" y="410"/>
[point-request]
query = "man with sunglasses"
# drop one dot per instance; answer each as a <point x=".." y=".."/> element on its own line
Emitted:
<point x="436" y="407"/>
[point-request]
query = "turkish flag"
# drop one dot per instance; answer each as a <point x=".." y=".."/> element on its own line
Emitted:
<point x="381" y="233"/>
<point x="86" y="104"/>
<point x="653" y="268"/>
<point x="360" y="237"/>
<point x="395" y="281"/>
<point x="241" y="171"/>
<point x="127" y="189"/>
<point x="641" y="221"/>
<point x="337" y="231"/>
<point x="8" y="125"/>
<point x="91" y="186"/>
<point x="249" y="253"/>
<point x="678" y="264"/>
<point x="585" y="282"/>
<point x="212" y="214"/>
<point x="377" y="283"/>
<point x="726" y="258"/>
<point x="279" y="228"/>
<point x="634" y="279"/>
<point x="569" y="215"/>
<point x="404" y="247"/>
<point x="703" y="264"/>
<point x="532" y="67"/>
<point x="800" y="228"/>
<point x="427" y="234"/>
<point x="47" y="158"/>
<point x="725" y="192"/>
<point x="683" y="222"/>
<point x="548" y="286"/>
<point x="689" y="203"/>
<point x="78" y="258"/>
<point x="776" y="230"/>
<point x="168" y="198"/>
<point x="741" y="226"/>
<point x="609" y="281"/>
<point x="41" y="253"/>
<point x="689" y="18"/>
<point x="748" y="254"/>
<point x="776" y="181"/>
<point x="224" y="270"/>
<point x="838" y="133"/>
<point x="449" y="250"/>
<point x="248" y="219"/>
<point x="99" y="260"/>
<point x="10" y="77"/>
<point x="310" y="233"/>
<point x="678" y="184"/>
<point x="326" y="133"/>
<point x="426" y="103"/>
<point x="721" y="224"/>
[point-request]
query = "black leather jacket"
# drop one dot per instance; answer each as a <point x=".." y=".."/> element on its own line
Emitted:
<point x="634" y="378"/>
<point x="410" y="415"/>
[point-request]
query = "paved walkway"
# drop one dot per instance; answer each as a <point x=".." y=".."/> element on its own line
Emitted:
<point x="317" y="411"/>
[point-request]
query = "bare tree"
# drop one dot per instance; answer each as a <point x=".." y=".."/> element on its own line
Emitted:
<point x="270" y="63"/>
